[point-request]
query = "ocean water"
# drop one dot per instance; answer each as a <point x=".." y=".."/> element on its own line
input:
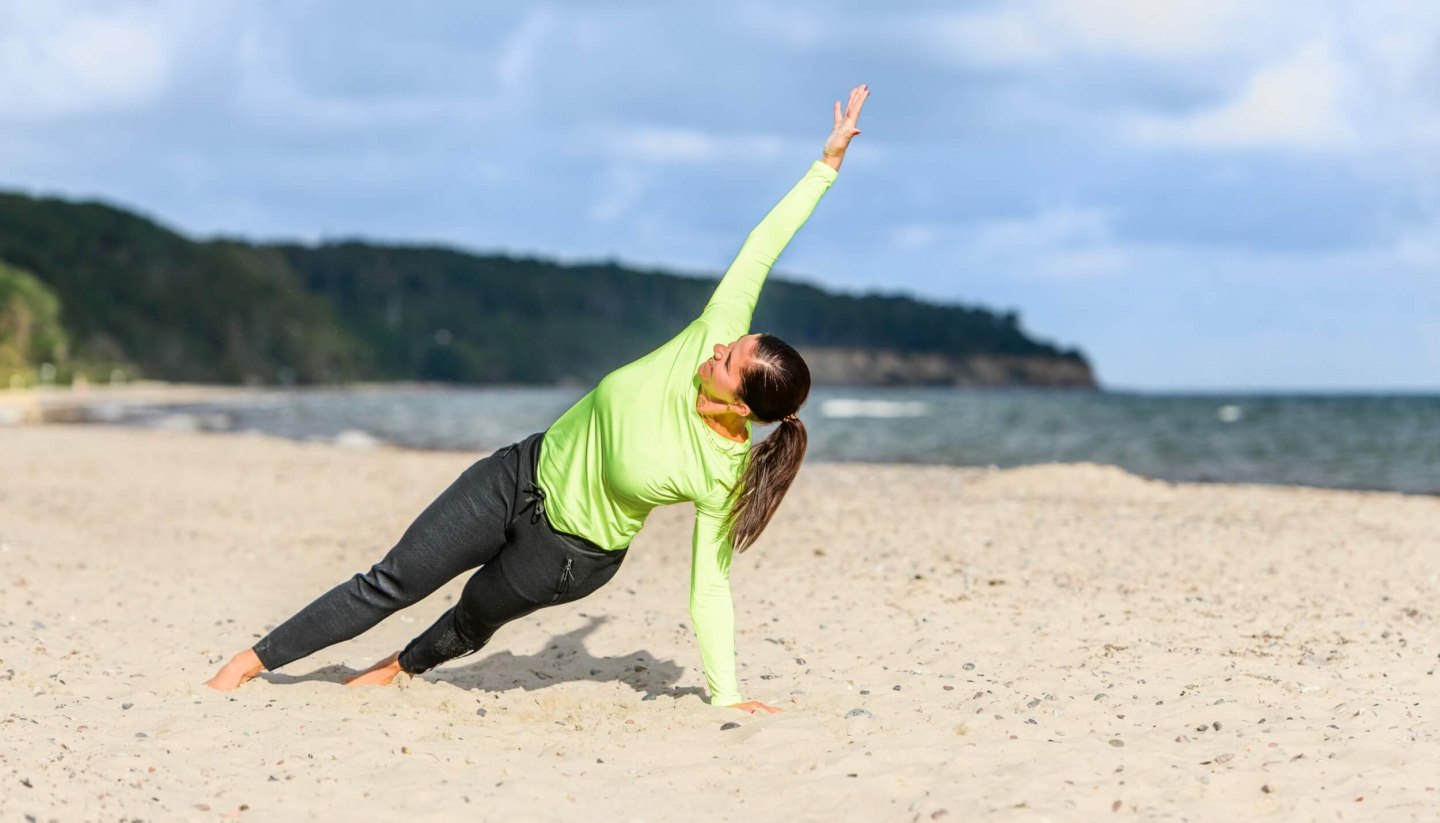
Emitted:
<point x="1389" y="442"/>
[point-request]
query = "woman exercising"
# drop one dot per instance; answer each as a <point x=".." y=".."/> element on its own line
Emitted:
<point x="548" y="520"/>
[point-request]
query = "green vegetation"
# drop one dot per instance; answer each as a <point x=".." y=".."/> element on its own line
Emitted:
<point x="138" y="296"/>
<point x="30" y="331"/>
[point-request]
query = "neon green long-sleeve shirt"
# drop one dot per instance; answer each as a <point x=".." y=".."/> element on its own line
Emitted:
<point x="636" y="441"/>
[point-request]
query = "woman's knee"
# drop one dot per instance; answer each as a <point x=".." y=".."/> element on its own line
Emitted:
<point x="489" y="601"/>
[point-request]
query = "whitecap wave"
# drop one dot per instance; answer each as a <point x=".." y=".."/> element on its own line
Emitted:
<point x="356" y="439"/>
<point x="847" y="407"/>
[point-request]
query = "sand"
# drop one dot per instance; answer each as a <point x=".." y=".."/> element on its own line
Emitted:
<point x="1048" y="643"/>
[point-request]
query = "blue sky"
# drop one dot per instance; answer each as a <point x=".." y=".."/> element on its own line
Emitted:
<point x="1197" y="193"/>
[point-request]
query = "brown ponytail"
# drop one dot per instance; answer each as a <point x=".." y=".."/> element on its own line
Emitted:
<point x="774" y="387"/>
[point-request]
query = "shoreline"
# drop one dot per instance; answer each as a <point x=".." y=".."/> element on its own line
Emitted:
<point x="209" y="408"/>
<point x="65" y="404"/>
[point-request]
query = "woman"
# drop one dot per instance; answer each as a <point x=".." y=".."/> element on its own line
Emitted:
<point x="548" y="520"/>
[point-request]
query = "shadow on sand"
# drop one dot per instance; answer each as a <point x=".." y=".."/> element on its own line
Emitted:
<point x="563" y="660"/>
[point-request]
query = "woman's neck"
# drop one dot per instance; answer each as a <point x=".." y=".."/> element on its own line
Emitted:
<point x="719" y="417"/>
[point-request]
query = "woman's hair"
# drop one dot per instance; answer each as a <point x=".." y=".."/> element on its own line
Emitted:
<point x="774" y="387"/>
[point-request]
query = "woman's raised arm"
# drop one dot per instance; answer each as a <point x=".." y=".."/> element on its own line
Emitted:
<point x="733" y="302"/>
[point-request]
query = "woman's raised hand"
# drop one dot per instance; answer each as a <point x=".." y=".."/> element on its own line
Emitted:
<point x="845" y="129"/>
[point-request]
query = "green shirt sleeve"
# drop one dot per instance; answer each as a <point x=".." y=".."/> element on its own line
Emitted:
<point x="729" y="311"/>
<point x="711" y="609"/>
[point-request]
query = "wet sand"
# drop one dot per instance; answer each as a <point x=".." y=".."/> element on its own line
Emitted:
<point x="1050" y="643"/>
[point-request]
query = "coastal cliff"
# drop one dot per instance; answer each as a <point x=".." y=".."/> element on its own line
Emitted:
<point x="835" y="366"/>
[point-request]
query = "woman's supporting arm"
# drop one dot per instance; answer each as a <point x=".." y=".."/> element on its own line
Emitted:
<point x="711" y="609"/>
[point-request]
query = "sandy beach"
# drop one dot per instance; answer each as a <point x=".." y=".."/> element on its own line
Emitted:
<point x="1049" y="643"/>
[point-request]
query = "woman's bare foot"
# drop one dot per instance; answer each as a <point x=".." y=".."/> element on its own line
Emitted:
<point x="379" y="674"/>
<point x="241" y="668"/>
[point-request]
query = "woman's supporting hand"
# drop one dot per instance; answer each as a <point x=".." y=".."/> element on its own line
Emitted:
<point x="839" y="140"/>
<point x="752" y="706"/>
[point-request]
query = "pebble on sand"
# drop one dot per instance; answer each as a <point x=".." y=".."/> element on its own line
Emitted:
<point x="730" y="725"/>
<point x="1117" y="743"/>
<point x="860" y="714"/>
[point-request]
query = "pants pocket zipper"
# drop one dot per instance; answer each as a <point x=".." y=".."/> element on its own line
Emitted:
<point x="566" y="578"/>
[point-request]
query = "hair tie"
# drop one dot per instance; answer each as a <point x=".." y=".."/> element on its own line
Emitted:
<point x="790" y="418"/>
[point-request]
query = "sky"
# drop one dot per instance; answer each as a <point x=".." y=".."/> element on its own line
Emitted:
<point x="1198" y="194"/>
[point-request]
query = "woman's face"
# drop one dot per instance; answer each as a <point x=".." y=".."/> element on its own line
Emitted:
<point x="720" y="375"/>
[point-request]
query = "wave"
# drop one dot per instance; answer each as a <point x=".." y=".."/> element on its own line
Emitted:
<point x="848" y="407"/>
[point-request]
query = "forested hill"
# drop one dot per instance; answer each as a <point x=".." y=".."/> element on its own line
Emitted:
<point x="134" y="295"/>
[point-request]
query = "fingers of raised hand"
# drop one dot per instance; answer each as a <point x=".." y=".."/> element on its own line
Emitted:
<point x="858" y="96"/>
<point x="837" y="114"/>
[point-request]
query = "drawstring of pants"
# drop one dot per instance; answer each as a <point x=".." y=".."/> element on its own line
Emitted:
<point x="535" y="494"/>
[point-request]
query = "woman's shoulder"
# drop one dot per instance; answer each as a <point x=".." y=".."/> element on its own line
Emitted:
<point x="717" y="494"/>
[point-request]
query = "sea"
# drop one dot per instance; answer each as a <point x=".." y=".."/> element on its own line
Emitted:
<point x="1385" y="442"/>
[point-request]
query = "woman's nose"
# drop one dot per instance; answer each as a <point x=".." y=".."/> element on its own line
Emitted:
<point x="718" y="350"/>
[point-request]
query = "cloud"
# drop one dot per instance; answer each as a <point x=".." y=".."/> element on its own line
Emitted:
<point x="64" y="59"/>
<point x="623" y="189"/>
<point x="520" y="54"/>
<point x="914" y="237"/>
<point x="1418" y="247"/>
<point x="1055" y="244"/>
<point x="665" y="144"/>
<point x="1060" y="243"/>
<point x="1296" y="104"/>
<point x="1046" y="230"/>
<point x="306" y="68"/>
<point x="1022" y="34"/>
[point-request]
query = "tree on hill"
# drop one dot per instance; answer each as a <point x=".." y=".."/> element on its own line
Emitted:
<point x="30" y="330"/>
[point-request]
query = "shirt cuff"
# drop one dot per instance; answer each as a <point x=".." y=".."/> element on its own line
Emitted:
<point x="725" y="699"/>
<point x="819" y="167"/>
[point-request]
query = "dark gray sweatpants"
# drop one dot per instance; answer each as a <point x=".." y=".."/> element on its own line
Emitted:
<point x="492" y="517"/>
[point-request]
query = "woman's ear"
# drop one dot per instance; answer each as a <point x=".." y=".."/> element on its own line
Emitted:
<point x="740" y="408"/>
